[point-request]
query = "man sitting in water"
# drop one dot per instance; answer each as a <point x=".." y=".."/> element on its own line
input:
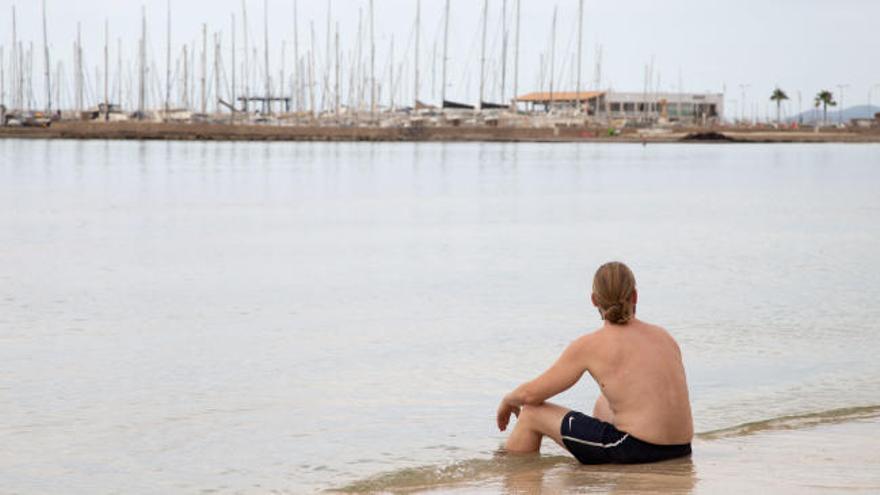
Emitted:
<point x="643" y="413"/>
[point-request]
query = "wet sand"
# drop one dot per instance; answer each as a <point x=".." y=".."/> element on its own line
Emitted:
<point x="801" y="455"/>
<point x="222" y="132"/>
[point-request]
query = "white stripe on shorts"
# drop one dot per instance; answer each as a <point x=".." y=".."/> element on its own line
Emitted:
<point x="596" y="444"/>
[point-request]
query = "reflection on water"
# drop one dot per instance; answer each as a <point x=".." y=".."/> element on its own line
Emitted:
<point x="676" y="476"/>
<point x="513" y="469"/>
<point x="297" y="316"/>
<point x="535" y="474"/>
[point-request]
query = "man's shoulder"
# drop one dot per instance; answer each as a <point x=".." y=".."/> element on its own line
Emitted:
<point x="654" y="327"/>
<point x="661" y="331"/>
<point x="590" y="339"/>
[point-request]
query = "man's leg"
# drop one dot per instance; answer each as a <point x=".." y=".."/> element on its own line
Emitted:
<point x="534" y="423"/>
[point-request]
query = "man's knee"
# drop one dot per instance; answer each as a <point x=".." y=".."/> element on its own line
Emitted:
<point x="545" y="419"/>
<point x="528" y="414"/>
<point x="536" y="416"/>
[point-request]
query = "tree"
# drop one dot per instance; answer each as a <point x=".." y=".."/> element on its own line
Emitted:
<point x="826" y="99"/>
<point x="778" y="96"/>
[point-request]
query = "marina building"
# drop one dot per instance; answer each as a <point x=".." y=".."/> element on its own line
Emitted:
<point x="690" y="108"/>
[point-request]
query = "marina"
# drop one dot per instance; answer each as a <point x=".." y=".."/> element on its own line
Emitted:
<point x="231" y="76"/>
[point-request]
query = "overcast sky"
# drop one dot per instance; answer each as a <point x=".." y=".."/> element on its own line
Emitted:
<point x="702" y="45"/>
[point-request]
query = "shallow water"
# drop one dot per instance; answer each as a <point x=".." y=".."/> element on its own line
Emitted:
<point x="297" y="316"/>
<point x="830" y="457"/>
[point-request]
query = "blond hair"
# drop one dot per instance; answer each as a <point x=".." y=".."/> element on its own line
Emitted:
<point x="613" y="288"/>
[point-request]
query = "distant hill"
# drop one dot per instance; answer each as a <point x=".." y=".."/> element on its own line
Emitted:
<point x="858" y="112"/>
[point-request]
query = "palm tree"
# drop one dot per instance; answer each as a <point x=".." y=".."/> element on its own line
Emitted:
<point x="826" y="99"/>
<point x="778" y="96"/>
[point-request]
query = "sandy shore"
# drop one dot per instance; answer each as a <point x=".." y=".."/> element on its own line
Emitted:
<point x="220" y="132"/>
<point x="802" y="456"/>
<point x="826" y="459"/>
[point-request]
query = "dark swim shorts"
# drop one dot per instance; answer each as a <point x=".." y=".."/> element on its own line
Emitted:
<point x="596" y="442"/>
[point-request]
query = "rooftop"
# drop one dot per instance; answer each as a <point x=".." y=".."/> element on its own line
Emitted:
<point x="559" y="96"/>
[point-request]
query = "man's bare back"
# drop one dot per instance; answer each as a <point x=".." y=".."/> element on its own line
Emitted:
<point x="639" y="371"/>
<point x="643" y="413"/>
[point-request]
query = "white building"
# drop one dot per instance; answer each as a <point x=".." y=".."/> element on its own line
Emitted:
<point x="697" y="108"/>
<point x="689" y="108"/>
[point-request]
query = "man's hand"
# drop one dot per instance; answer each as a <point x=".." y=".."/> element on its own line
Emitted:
<point x="505" y="409"/>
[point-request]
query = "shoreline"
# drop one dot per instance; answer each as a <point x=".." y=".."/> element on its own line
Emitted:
<point x="778" y="455"/>
<point x="224" y="132"/>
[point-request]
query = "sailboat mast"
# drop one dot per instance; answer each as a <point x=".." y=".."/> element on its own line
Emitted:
<point x="142" y="65"/>
<point x="216" y="72"/>
<point x="352" y="77"/>
<point x="79" y="69"/>
<point x="418" y="35"/>
<point x="106" y="70"/>
<point x="281" y="75"/>
<point x="391" y="75"/>
<point x="168" y="59"/>
<point x="204" y="75"/>
<point x="552" y="56"/>
<point x="191" y="81"/>
<point x="56" y="88"/>
<point x="516" y="55"/>
<point x="48" y="66"/>
<point x="338" y="69"/>
<point x="579" y="51"/>
<point x="30" y="76"/>
<point x="268" y="107"/>
<point x="300" y="89"/>
<point x="185" y="76"/>
<point x="118" y="71"/>
<point x="2" y="81"/>
<point x="312" y="70"/>
<point x="372" y="64"/>
<point x="22" y="68"/>
<point x="296" y="71"/>
<point x="359" y="71"/>
<point x="434" y="69"/>
<point x="445" y="55"/>
<point x="247" y="89"/>
<point x="19" y="64"/>
<point x="483" y="54"/>
<point x="232" y="87"/>
<point x="97" y="81"/>
<point x="15" y="67"/>
<point x="325" y="96"/>
<point x="503" y="50"/>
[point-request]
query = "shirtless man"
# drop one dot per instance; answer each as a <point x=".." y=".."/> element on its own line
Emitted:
<point x="643" y="413"/>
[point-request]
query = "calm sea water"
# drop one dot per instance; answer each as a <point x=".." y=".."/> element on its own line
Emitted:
<point x="294" y="317"/>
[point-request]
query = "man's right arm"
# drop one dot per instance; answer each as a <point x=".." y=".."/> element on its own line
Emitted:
<point x="564" y="373"/>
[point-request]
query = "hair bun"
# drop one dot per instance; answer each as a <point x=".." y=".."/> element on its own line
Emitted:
<point x="613" y="289"/>
<point x="615" y="313"/>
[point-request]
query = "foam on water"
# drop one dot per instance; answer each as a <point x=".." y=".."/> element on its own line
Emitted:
<point x="794" y="422"/>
